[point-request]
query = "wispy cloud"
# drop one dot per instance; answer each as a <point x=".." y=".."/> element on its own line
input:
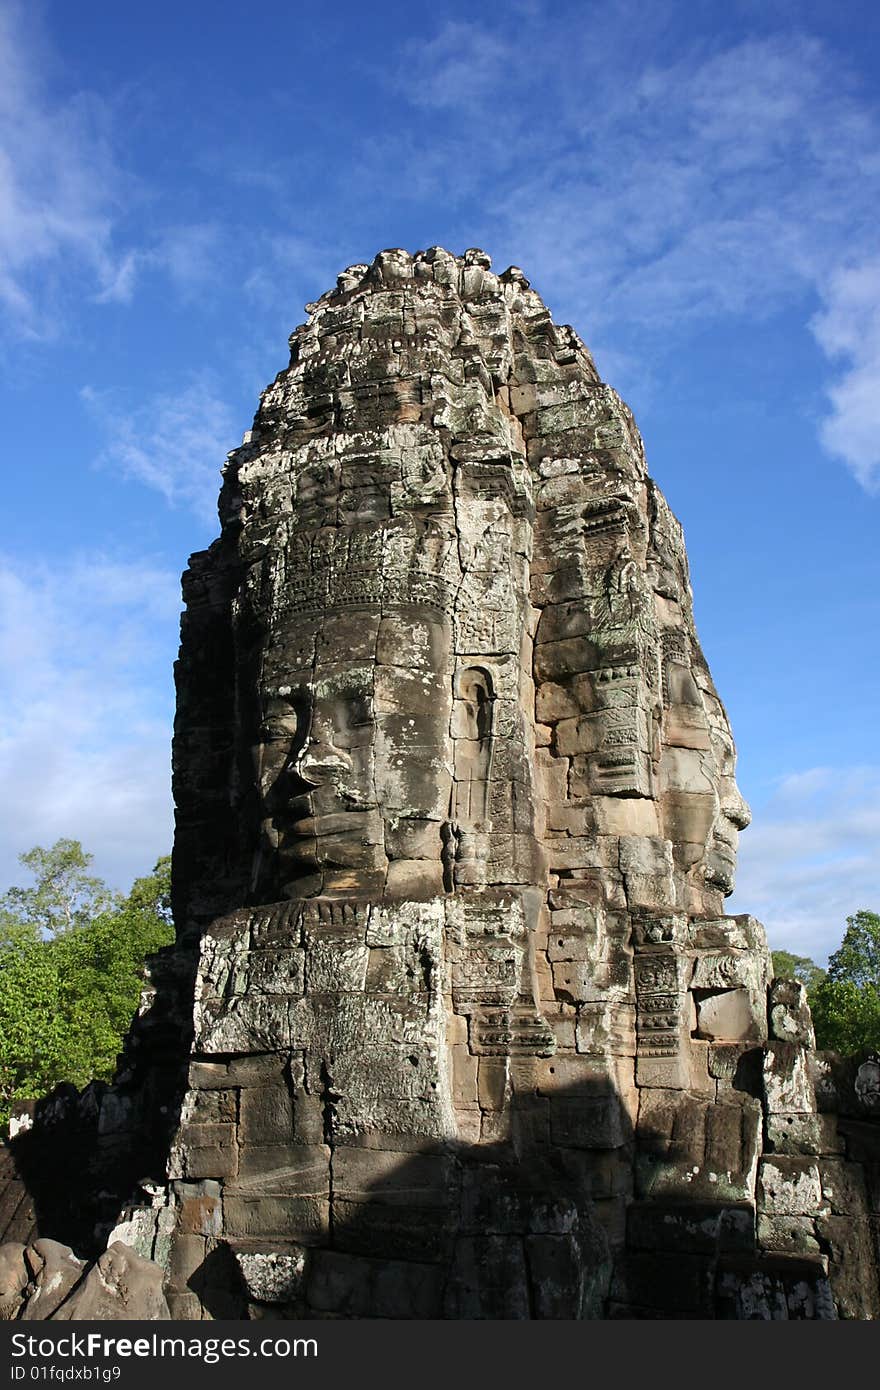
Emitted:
<point x="736" y="179"/>
<point x="848" y="330"/>
<point x="461" y="67"/>
<point x="812" y="857"/>
<point x="65" y="196"/>
<point x="175" y="443"/>
<point x="84" y="741"/>
<point x="60" y="186"/>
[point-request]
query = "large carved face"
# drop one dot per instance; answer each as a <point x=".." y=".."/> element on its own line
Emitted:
<point x="353" y="763"/>
<point x="733" y="815"/>
<point x="702" y="808"/>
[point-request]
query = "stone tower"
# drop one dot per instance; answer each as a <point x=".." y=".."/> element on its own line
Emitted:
<point x="465" y="1031"/>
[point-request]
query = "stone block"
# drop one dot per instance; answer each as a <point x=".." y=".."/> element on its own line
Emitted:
<point x="556" y="661"/>
<point x="305" y="1219"/>
<point x="690" y="1228"/>
<point x="350" y="1286"/>
<point x="266" y="1115"/>
<point x="788" y="1235"/>
<point x="790" y="1187"/>
<point x="308" y="1117"/>
<point x="631" y="817"/>
<point x="663" y="1072"/>
<point x="204" y="1151"/>
<point x="794" y="1134"/>
<point x="389" y="1231"/>
<point x="488" y="1279"/>
<point x="687" y="817"/>
<point x="273" y="1276"/>
<point x="388" y="1178"/>
<point x="573" y="852"/>
<point x="680" y="1284"/>
<point x="464" y="1076"/>
<point x="574" y="934"/>
<point x="575" y="981"/>
<point x="787" y="1085"/>
<point x="281" y="1168"/>
<point x="583" y="734"/>
<point x="643" y="851"/>
<point x="494" y="1083"/>
<point x="737" y="1066"/>
<point x="219" y="1107"/>
<point x="853" y="1266"/>
<point x="587" y="1121"/>
<point x="727" y="1016"/>
<point x="606" y="1028"/>
<point x="723" y="970"/>
<point x="200" y="1215"/>
<point x="254" y="1070"/>
<point x="331" y="966"/>
<point x="843" y="1187"/>
<point x="554" y="702"/>
<point x="188" y="1250"/>
<point x="184" y="1307"/>
<point x="205" y="1076"/>
<point x="789" y="1013"/>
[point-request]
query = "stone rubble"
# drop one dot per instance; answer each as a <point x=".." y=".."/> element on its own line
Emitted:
<point x="46" y="1282"/>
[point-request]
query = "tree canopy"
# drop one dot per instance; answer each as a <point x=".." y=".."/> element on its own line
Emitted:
<point x="845" y="999"/>
<point x="63" y="895"/>
<point x="801" y="968"/>
<point x="71" y="968"/>
<point x="846" y="1004"/>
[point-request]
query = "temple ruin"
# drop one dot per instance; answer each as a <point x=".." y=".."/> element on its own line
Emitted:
<point x="455" y="1025"/>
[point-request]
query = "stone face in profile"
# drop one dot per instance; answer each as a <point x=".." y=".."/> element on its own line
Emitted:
<point x="449" y="623"/>
<point x="456" y="809"/>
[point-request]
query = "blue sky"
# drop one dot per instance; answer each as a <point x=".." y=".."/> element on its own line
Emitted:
<point x="694" y="186"/>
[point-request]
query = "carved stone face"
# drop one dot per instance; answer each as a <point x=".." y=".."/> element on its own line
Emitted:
<point x="733" y="815"/>
<point x="701" y="805"/>
<point x="353" y="764"/>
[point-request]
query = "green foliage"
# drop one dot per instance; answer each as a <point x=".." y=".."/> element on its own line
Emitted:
<point x="66" y="1002"/>
<point x="64" y="896"/>
<point x="791" y="967"/>
<point x="846" y="1004"/>
<point x="858" y="956"/>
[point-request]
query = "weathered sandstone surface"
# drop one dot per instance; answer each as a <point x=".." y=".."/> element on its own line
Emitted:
<point x="456" y="1025"/>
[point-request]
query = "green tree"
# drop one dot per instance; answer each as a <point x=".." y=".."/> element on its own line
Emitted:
<point x="791" y="967"/>
<point x="63" y="895"/>
<point x="153" y="892"/>
<point x="846" y="1004"/>
<point x="66" y="1002"/>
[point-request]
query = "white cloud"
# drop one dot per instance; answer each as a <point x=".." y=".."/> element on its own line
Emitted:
<point x="175" y="443"/>
<point x="812" y="857"/>
<point x="64" y="195"/>
<point x="459" y="68"/>
<point x="85" y="736"/>
<point x="644" y="195"/>
<point x="848" y="331"/>
<point x="59" y="186"/>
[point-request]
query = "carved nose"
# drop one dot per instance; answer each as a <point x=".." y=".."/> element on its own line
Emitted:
<point x="321" y="761"/>
<point x="736" y="809"/>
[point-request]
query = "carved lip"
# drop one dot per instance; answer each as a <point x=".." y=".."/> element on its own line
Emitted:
<point x="342" y="822"/>
<point x="721" y="866"/>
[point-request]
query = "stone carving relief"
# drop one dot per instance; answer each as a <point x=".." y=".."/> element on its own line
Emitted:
<point x="465" y="1028"/>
